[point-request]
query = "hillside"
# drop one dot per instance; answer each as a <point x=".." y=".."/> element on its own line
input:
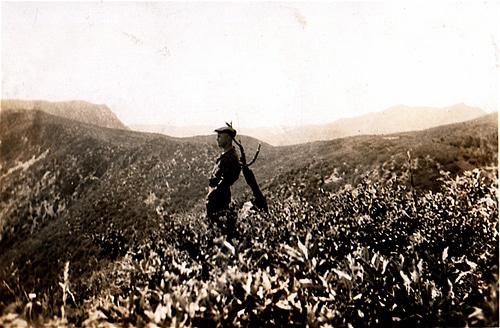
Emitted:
<point x="66" y="183"/>
<point x="80" y="111"/>
<point x="332" y="164"/>
<point x="96" y="198"/>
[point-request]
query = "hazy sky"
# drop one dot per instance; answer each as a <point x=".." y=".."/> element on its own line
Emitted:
<point x="253" y="63"/>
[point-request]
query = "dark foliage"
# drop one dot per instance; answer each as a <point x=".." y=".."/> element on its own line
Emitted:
<point x="348" y="240"/>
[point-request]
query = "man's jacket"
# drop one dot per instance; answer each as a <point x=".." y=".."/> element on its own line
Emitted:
<point x="225" y="173"/>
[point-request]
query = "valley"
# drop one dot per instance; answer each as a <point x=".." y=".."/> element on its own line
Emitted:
<point x="118" y="205"/>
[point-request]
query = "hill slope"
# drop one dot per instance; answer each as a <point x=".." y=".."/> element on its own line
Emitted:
<point x="84" y="194"/>
<point x="333" y="164"/>
<point x="64" y="185"/>
<point x="80" y="111"/>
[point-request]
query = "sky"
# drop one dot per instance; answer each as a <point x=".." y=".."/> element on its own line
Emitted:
<point x="255" y="64"/>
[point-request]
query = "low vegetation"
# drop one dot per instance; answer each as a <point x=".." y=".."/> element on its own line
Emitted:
<point x="368" y="256"/>
<point x="95" y="232"/>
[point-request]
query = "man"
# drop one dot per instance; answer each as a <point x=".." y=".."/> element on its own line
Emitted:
<point x="226" y="172"/>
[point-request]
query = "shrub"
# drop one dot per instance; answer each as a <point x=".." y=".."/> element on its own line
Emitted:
<point x="363" y="258"/>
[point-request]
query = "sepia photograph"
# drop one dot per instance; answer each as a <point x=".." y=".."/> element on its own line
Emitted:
<point x="249" y="164"/>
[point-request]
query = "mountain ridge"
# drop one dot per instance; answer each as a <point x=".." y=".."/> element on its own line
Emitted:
<point x="78" y="110"/>
<point x="398" y="118"/>
<point x="395" y="119"/>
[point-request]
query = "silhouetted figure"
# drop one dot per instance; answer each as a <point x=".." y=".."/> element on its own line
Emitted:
<point x="226" y="171"/>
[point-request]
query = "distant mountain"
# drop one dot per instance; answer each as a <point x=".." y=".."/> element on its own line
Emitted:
<point x="173" y="131"/>
<point x="395" y="119"/>
<point x="77" y="110"/>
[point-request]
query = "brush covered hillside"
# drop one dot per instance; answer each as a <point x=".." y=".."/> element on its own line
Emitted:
<point x="103" y="226"/>
<point x="66" y="183"/>
<point x="345" y="162"/>
<point x="81" y="111"/>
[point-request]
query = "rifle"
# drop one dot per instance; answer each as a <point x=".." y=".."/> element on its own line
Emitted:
<point x="259" y="200"/>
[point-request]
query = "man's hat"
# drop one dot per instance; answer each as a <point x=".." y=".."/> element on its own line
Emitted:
<point x="227" y="129"/>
